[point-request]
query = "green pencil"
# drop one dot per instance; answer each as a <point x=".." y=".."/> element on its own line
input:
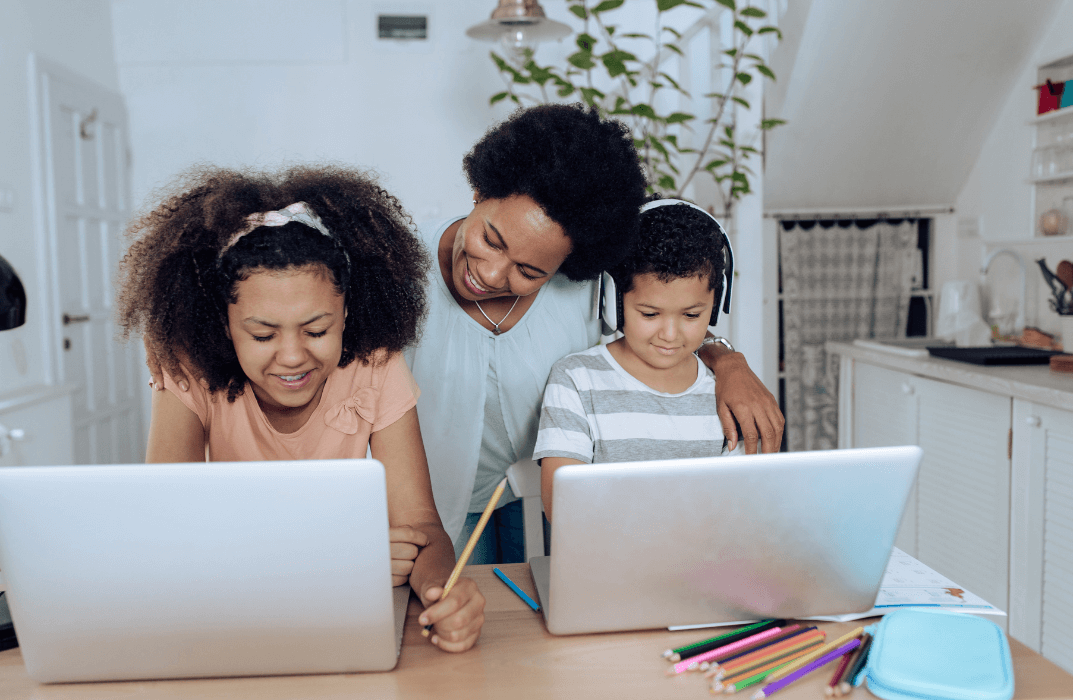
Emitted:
<point x="672" y="652"/>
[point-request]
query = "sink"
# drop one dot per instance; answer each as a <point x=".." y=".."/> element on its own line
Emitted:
<point x="911" y="347"/>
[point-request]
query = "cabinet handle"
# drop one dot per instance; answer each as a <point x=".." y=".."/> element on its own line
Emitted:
<point x="1034" y="421"/>
<point x="907" y="389"/>
<point x="68" y="319"/>
<point x="7" y="436"/>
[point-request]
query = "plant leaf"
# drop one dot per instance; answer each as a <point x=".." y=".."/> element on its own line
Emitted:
<point x="771" y="123"/>
<point x="585" y="42"/>
<point x="607" y="5"/>
<point x="753" y="12"/>
<point x="591" y="95"/>
<point x="580" y="11"/>
<point x="743" y="28"/>
<point x="729" y="4"/>
<point x="765" y="71"/>
<point x="740" y="101"/>
<point x="666" y="182"/>
<point x="744" y="78"/>
<point x="497" y="97"/>
<point x="582" y="60"/>
<point x="769" y="30"/>
<point x="679" y="118"/>
<point x="672" y="30"/>
<point x="643" y="110"/>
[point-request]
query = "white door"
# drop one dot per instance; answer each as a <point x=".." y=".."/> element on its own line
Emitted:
<point x="86" y="205"/>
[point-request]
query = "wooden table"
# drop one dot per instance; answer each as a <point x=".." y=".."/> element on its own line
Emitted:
<point x="515" y="659"/>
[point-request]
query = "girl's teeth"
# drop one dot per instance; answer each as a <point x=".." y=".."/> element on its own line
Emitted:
<point x="293" y="378"/>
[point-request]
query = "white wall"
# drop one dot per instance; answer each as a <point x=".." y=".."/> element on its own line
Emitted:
<point x="78" y="35"/>
<point x="266" y="82"/>
<point x="998" y="194"/>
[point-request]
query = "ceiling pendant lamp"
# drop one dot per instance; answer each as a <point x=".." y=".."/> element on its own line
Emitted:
<point x="518" y="25"/>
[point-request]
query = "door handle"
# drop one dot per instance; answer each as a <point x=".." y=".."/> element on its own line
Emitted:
<point x="68" y="319"/>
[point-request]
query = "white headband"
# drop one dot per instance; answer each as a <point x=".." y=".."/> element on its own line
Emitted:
<point x="299" y="212"/>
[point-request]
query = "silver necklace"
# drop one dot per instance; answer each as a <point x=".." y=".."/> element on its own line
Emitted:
<point x="495" y="326"/>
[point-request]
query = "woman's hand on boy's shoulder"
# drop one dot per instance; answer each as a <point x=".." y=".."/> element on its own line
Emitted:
<point x="458" y="618"/>
<point x="741" y="395"/>
<point x="406" y="544"/>
<point x="158" y="361"/>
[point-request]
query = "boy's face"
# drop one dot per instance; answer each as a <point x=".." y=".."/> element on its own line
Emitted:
<point x="665" y="322"/>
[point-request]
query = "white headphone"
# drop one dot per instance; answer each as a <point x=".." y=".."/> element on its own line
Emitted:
<point x="611" y="298"/>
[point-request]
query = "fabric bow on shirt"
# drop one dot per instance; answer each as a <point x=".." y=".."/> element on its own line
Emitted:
<point x="345" y="416"/>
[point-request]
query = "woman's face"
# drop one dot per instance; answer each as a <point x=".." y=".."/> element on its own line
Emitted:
<point x="506" y="247"/>
<point x="287" y="329"/>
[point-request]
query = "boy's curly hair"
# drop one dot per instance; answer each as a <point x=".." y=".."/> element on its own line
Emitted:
<point x="174" y="286"/>
<point x="675" y="241"/>
<point x="581" y="169"/>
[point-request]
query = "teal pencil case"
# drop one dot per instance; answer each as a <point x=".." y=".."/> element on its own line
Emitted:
<point x="939" y="655"/>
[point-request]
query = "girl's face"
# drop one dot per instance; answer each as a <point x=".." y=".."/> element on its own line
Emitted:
<point x="665" y="322"/>
<point x="287" y="329"/>
<point x="506" y="247"/>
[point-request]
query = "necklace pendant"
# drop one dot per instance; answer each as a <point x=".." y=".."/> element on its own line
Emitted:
<point x="496" y="331"/>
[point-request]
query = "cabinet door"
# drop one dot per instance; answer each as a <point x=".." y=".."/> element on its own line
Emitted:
<point x="46" y="434"/>
<point x="963" y="488"/>
<point x="1041" y="552"/>
<point x="885" y="415"/>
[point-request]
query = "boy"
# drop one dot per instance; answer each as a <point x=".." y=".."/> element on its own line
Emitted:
<point x="646" y="395"/>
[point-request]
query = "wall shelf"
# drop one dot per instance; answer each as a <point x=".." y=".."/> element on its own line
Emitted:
<point x="1052" y="115"/>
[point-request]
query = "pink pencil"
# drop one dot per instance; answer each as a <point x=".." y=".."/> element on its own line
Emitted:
<point x="694" y="662"/>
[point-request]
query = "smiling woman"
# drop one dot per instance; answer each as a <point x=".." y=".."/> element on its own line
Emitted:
<point x="291" y="296"/>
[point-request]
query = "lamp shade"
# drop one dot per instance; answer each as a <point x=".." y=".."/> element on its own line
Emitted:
<point x="12" y="297"/>
<point x="512" y="17"/>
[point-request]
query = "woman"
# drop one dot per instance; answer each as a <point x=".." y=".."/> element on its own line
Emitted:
<point x="557" y="195"/>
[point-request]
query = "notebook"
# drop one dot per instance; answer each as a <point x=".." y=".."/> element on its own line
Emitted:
<point x="194" y="570"/>
<point x="666" y="543"/>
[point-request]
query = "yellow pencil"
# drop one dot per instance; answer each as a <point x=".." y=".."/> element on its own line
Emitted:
<point x="830" y="646"/>
<point x="461" y="563"/>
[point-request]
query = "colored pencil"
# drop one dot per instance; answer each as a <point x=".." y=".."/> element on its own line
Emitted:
<point x="793" y="644"/>
<point x="514" y="587"/>
<point x="693" y="662"/>
<point x="723" y="658"/>
<point x="771" y="664"/>
<point x="856" y="672"/>
<point x="836" y="679"/>
<point x="708" y="644"/>
<point x="778" y="685"/>
<point x="461" y="563"/>
<point x="844" y="687"/>
<point x="819" y="652"/>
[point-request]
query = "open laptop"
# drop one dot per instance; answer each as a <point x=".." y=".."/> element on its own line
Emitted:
<point x="194" y="570"/>
<point x="641" y="545"/>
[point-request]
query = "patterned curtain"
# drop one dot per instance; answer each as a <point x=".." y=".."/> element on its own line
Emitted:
<point x="840" y="281"/>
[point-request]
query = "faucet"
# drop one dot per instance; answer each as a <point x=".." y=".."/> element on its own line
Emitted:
<point x="1019" y="324"/>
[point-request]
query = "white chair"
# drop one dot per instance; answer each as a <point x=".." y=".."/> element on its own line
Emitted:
<point x="524" y="479"/>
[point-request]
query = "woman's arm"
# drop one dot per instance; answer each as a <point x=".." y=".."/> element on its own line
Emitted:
<point x="742" y="396"/>
<point x="175" y="432"/>
<point x="548" y="465"/>
<point x="413" y="519"/>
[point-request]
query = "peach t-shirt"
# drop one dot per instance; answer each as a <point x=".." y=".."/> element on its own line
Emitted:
<point x="357" y="400"/>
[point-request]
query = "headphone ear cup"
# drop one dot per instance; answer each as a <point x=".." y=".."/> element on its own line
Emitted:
<point x="620" y="319"/>
<point x="718" y="303"/>
<point x="609" y="306"/>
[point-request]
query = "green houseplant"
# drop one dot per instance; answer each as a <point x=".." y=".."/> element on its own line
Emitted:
<point x="629" y="86"/>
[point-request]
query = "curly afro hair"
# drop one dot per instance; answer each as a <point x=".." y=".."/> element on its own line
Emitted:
<point x="581" y="169"/>
<point x="175" y="286"/>
<point x="675" y="241"/>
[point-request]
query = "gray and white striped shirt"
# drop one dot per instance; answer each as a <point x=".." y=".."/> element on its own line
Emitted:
<point x="595" y="411"/>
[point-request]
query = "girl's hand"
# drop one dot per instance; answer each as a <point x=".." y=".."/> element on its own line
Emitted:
<point x="406" y="544"/>
<point x="457" y="619"/>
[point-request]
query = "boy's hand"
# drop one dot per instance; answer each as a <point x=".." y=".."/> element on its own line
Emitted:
<point x="457" y="619"/>
<point x="406" y="543"/>
<point x="740" y="394"/>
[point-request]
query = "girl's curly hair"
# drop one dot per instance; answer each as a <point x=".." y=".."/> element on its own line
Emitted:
<point x="175" y="286"/>
<point x="582" y="170"/>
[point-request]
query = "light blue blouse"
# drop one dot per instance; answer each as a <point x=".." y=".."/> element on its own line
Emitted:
<point x="451" y="364"/>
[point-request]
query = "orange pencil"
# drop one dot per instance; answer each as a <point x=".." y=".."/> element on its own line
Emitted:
<point x="792" y="644"/>
<point x="744" y="674"/>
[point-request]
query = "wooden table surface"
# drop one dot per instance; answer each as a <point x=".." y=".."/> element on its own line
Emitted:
<point x="516" y="658"/>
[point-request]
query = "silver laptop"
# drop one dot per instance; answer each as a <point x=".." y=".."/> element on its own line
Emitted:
<point x="642" y="545"/>
<point x="194" y="570"/>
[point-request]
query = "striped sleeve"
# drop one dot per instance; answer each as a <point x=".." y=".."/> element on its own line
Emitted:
<point x="564" y="428"/>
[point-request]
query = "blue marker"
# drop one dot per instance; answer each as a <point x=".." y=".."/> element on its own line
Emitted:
<point x="514" y="587"/>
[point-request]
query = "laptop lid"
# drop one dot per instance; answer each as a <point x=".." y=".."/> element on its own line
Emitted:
<point x="208" y="569"/>
<point x="642" y="545"/>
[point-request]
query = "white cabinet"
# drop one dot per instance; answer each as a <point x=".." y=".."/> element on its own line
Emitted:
<point x="1041" y="573"/>
<point x="957" y="519"/>
<point x="41" y="423"/>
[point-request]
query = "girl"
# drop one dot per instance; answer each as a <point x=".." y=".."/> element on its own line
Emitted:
<point x="292" y="296"/>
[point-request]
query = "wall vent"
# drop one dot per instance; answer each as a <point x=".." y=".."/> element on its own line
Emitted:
<point x="402" y="26"/>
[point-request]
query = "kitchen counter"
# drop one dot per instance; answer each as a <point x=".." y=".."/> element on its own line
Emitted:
<point x="1036" y="383"/>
